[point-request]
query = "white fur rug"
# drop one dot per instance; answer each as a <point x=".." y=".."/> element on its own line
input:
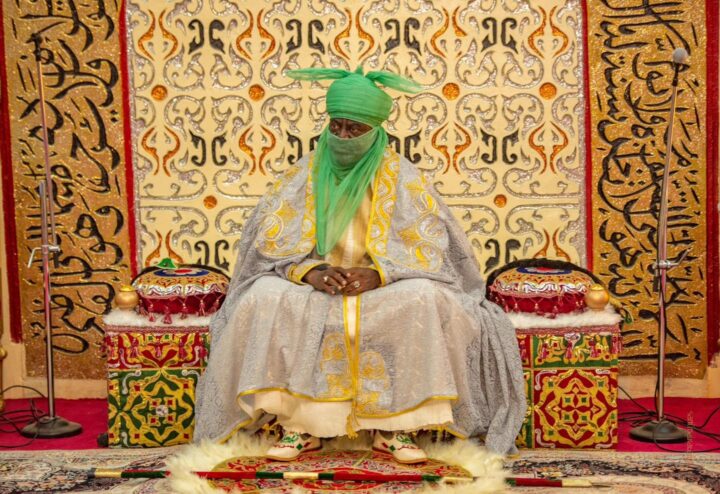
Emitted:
<point x="465" y="454"/>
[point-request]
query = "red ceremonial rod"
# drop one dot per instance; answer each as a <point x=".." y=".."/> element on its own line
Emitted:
<point x="339" y="476"/>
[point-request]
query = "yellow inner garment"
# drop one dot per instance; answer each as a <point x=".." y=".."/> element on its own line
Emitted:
<point x="350" y="251"/>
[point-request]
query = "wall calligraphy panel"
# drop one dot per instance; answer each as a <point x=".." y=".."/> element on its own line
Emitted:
<point x="498" y="128"/>
<point x="81" y="64"/>
<point x="630" y="50"/>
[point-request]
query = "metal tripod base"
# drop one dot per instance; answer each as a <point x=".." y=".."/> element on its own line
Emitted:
<point x="663" y="431"/>
<point x="51" y="428"/>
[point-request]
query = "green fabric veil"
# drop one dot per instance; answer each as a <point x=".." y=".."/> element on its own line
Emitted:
<point x="339" y="189"/>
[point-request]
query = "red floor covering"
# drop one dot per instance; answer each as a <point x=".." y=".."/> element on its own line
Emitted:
<point x="92" y="414"/>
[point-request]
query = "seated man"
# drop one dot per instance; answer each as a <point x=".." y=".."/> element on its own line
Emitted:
<point x="357" y="303"/>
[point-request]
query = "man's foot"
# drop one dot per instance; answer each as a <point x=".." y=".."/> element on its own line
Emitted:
<point x="400" y="445"/>
<point x="292" y="445"/>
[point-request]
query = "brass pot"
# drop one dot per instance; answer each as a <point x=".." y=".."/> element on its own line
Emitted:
<point x="126" y="298"/>
<point x="596" y="297"/>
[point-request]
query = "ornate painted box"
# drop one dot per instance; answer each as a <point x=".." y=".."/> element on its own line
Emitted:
<point x="571" y="371"/>
<point x="152" y="370"/>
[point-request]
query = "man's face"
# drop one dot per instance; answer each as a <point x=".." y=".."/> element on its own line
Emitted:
<point x="347" y="129"/>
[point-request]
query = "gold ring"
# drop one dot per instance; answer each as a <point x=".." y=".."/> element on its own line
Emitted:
<point x="326" y="279"/>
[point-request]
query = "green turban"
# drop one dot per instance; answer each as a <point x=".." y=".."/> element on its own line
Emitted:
<point x="356" y="96"/>
<point x="339" y="186"/>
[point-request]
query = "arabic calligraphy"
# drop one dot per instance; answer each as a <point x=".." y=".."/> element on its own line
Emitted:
<point x="630" y="54"/>
<point x="80" y="65"/>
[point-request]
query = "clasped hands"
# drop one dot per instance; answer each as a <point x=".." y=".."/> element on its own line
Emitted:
<point x="335" y="280"/>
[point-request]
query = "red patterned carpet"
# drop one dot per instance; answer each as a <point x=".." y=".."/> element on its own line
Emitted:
<point x="92" y="414"/>
<point x="369" y="462"/>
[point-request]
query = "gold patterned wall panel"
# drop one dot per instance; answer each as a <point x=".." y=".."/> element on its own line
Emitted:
<point x="81" y="66"/>
<point x="498" y="127"/>
<point x="630" y="50"/>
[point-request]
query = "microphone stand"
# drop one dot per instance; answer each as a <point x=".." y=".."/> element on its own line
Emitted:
<point x="662" y="430"/>
<point x="50" y="425"/>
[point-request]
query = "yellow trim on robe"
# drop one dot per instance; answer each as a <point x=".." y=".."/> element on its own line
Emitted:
<point x="350" y="342"/>
<point x="407" y="410"/>
<point x="384" y="195"/>
<point x="292" y="393"/>
<point x="349" y="398"/>
<point x="301" y="415"/>
<point x="296" y="275"/>
<point x="354" y="425"/>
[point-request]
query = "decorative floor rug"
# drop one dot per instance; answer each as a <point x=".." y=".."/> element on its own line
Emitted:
<point x="623" y="473"/>
<point x="360" y="462"/>
<point x="636" y="473"/>
<point x="66" y="470"/>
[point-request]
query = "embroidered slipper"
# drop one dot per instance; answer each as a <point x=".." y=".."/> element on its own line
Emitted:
<point x="292" y="445"/>
<point x="401" y="446"/>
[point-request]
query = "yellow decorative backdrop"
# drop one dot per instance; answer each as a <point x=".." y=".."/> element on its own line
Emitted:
<point x="498" y="128"/>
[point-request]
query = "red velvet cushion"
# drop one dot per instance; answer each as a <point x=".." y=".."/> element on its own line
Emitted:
<point x="540" y="290"/>
<point x="180" y="290"/>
